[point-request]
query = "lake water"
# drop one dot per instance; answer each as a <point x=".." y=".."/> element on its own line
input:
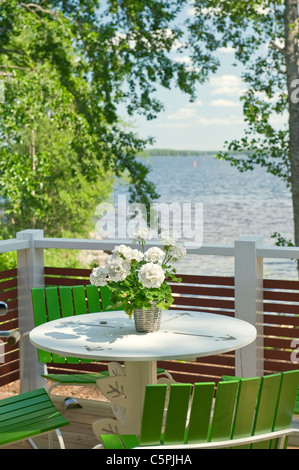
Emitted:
<point x="235" y="204"/>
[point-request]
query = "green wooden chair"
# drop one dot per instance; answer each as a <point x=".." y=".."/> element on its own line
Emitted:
<point x="29" y="415"/>
<point x="248" y="412"/>
<point x="51" y="303"/>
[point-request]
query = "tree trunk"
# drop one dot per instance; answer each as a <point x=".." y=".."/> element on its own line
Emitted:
<point x="291" y="59"/>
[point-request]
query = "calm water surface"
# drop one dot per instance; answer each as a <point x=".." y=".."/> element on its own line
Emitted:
<point x="235" y="204"/>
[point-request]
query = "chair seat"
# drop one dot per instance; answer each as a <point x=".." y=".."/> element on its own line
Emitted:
<point x="82" y="379"/>
<point x="27" y="415"/>
<point x="78" y="379"/>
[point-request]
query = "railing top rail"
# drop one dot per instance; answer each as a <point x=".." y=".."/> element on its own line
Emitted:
<point x="15" y="244"/>
<point x="192" y="248"/>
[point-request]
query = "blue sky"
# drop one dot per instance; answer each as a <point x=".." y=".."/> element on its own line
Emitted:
<point x="215" y="117"/>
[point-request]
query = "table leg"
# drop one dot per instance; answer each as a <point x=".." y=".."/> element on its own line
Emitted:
<point x="139" y="374"/>
<point x="125" y="390"/>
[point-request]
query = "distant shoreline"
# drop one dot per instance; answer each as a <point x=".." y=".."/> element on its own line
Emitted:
<point x="177" y="153"/>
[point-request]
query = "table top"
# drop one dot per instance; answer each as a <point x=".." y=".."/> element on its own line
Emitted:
<point x="112" y="336"/>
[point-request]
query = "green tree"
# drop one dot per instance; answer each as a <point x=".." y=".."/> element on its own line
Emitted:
<point x="68" y="67"/>
<point x="264" y="35"/>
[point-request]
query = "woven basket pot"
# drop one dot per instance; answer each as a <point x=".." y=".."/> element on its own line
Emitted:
<point x="147" y="321"/>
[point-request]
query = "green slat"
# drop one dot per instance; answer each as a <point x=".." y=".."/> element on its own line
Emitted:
<point x="35" y="413"/>
<point x="40" y="317"/>
<point x="111" y="441"/>
<point x="93" y="299"/>
<point x="67" y="310"/>
<point x="13" y="401"/>
<point x="199" y="421"/>
<point x="52" y="303"/>
<point x="175" y="425"/>
<point x="129" y="441"/>
<point x="77" y="378"/>
<point x="66" y="301"/>
<point x="223" y="411"/>
<point x="105" y="298"/>
<point x="31" y="429"/>
<point x="266" y="407"/>
<point x="39" y="306"/>
<point x="287" y="398"/>
<point x="9" y="412"/>
<point x="152" y="416"/>
<point x="245" y="409"/>
<point x="79" y="300"/>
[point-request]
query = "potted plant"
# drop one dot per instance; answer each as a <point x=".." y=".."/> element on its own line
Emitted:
<point x="138" y="278"/>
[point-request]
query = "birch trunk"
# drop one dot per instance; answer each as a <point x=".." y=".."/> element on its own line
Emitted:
<point x="292" y="61"/>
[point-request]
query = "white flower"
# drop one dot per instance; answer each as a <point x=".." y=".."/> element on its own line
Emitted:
<point x="141" y="234"/>
<point x="127" y="253"/>
<point x="99" y="276"/>
<point x="154" y="254"/>
<point x="168" y="238"/>
<point x="118" y="268"/>
<point x="151" y="275"/>
<point x="136" y="254"/>
<point x="177" y="252"/>
<point x="121" y="250"/>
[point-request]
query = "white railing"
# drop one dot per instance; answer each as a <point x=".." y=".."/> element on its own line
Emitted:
<point x="248" y="254"/>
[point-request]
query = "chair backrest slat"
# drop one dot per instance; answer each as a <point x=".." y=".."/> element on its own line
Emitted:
<point x="52" y="301"/>
<point x="266" y="407"/>
<point x="286" y="402"/>
<point x="287" y="399"/>
<point x="40" y="317"/>
<point x="245" y="408"/>
<point x="79" y="300"/>
<point x="93" y="299"/>
<point x="199" y="420"/>
<point x="106" y="299"/>
<point x="66" y="301"/>
<point x="152" y="417"/>
<point x="177" y="412"/>
<point x="224" y="411"/>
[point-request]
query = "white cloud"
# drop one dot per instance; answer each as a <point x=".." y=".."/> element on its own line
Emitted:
<point x="229" y="121"/>
<point x="231" y="85"/>
<point x="174" y="125"/>
<point x="183" y="113"/>
<point x="226" y="50"/>
<point x="225" y="103"/>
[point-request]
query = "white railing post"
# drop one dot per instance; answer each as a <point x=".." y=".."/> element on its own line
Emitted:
<point x="249" y="303"/>
<point x="30" y="274"/>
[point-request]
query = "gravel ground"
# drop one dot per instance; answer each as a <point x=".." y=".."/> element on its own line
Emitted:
<point x="80" y="392"/>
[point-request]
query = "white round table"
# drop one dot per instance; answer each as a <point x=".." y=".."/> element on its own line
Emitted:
<point x="111" y="336"/>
